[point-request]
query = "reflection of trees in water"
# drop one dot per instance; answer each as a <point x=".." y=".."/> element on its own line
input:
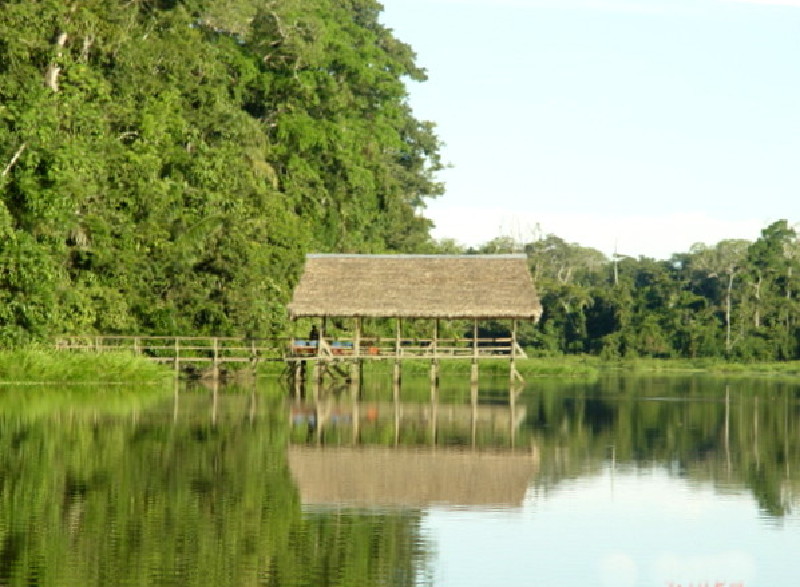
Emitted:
<point x="169" y="497"/>
<point x="685" y="424"/>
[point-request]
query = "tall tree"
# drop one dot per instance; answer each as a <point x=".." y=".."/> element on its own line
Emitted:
<point x="164" y="166"/>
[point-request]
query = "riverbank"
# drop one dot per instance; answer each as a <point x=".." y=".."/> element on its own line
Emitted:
<point x="42" y="366"/>
<point x="47" y="366"/>
<point x="586" y="366"/>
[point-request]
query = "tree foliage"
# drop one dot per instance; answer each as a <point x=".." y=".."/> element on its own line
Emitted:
<point x="166" y="165"/>
<point x="735" y="299"/>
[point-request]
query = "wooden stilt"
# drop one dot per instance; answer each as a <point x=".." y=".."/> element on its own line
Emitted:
<point x="397" y="338"/>
<point x="177" y="357"/>
<point x="396" y="376"/>
<point x="357" y="339"/>
<point x="356" y="421"/>
<point x="434" y="373"/>
<point x="434" y="409"/>
<point x="316" y="376"/>
<point x="299" y="378"/>
<point x="355" y="379"/>
<point x="396" y="398"/>
<point x="215" y="360"/>
<point x="514" y="375"/>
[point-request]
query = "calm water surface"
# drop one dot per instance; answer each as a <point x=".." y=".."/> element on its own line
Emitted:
<point x="624" y="481"/>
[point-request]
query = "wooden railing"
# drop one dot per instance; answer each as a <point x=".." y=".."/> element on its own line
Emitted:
<point x="403" y="348"/>
<point x="181" y="349"/>
<point x="218" y="350"/>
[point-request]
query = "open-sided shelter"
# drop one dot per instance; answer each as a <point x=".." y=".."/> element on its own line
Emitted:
<point x="473" y="287"/>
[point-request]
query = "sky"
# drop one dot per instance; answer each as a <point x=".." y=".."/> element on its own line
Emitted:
<point x="635" y="126"/>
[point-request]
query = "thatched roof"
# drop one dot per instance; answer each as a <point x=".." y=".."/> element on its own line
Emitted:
<point x="416" y="286"/>
<point x="379" y="476"/>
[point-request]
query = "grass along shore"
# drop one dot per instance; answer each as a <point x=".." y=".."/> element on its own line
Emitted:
<point x="47" y="366"/>
<point x="34" y="365"/>
<point x="586" y="366"/>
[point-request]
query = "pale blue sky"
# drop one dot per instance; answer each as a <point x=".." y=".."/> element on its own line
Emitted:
<point x="648" y="123"/>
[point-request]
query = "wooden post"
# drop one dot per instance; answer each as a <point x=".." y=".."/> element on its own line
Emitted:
<point x="177" y="356"/>
<point x="514" y="375"/>
<point x="434" y="360"/>
<point x="315" y="376"/>
<point x="355" y="378"/>
<point x="397" y="350"/>
<point x="512" y="404"/>
<point x="397" y="374"/>
<point x="396" y="402"/>
<point x="434" y="410"/>
<point x="357" y="339"/>
<point x="215" y="362"/>
<point x="474" y="369"/>
<point x="299" y="379"/>
<point x="253" y="357"/>
<point x="321" y="337"/>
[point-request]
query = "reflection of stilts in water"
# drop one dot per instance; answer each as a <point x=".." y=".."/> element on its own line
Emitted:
<point x="176" y="386"/>
<point x="396" y="402"/>
<point x="429" y="423"/>
<point x="786" y="432"/>
<point x="473" y="396"/>
<point x="755" y="435"/>
<point x="513" y="392"/>
<point x="728" y="428"/>
<point x="434" y="401"/>
<point x="214" y="400"/>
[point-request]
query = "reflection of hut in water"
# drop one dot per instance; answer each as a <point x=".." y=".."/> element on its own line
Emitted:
<point x="400" y="477"/>
<point x="447" y="423"/>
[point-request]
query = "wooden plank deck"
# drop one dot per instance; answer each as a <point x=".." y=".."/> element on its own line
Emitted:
<point x="327" y="349"/>
<point x="220" y="350"/>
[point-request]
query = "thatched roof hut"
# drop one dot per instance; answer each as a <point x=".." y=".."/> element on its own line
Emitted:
<point x="416" y="286"/>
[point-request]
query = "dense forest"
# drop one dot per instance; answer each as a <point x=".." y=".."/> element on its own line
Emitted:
<point x="736" y="299"/>
<point x="166" y="164"/>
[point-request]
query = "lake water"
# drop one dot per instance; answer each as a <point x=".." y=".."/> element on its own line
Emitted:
<point x="622" y="481"/>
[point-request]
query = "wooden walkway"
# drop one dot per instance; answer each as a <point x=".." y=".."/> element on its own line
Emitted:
<point x="332" y="349"/>
<point x="217" y="351"/>
<point x="179" y="350"/>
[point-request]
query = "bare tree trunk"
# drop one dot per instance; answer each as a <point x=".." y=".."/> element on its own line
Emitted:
<point x="16" y="156"/>
<point x="54" y="69"/>
<point x="757" y="313"/>
<point x="728" y="312"/>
